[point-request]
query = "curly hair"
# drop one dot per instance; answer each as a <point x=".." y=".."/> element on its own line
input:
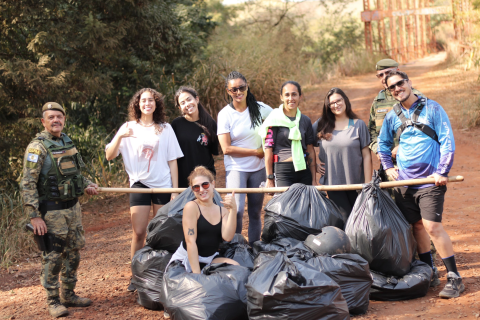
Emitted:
<point x="134" y="112"/>
<point x="200" y="171"/>
<point x="327" y="119"/>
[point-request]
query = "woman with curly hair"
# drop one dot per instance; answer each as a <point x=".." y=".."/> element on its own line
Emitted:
<point x="343" y="140"/>
<point x="150" y="151"/>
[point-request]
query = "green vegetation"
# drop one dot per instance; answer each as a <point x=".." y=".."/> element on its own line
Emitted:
<point x="92" y="55"/>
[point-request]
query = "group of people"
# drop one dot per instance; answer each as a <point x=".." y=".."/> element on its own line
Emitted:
<point x="260" y="144"/>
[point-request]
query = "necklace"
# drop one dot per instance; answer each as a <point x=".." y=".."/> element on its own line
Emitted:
<point x="146" y="125"/>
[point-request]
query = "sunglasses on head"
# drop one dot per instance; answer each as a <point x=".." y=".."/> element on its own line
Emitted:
<point x="400" y="83"/>
<point x="240" y="89"/>
<point x="383" y="74"/>
<point x="205" y="185"/>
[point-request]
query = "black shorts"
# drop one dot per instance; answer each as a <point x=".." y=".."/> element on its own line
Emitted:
<point x="285" y="175"/>
<point x="146" y="199"/>
<point x="426" y="203"/>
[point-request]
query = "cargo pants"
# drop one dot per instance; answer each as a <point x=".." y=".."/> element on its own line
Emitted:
<point x="66" y="224"/>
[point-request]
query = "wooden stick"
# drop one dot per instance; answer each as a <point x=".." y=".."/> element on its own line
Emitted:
<point x="389" y="184"/>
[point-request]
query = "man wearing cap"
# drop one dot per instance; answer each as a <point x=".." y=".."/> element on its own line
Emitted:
<point x="382" y="104"/>
<point x="51" y="184"/>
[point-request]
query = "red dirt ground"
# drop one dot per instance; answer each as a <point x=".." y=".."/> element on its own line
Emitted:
<point x="105" y="268"/>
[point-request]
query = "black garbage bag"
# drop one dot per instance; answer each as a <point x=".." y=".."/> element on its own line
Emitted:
<point x="279" y="244"/>
<point x="165" y="230"/>
<point x="218" y="293"/>
<point x="278" y="289"/>
<point x="239" y="250"/>
<point x="351" y="273"/>
<point x="298" y="212"/>
<point x="414" y="284"/>
<point x="148" y="266"/>
<point x="379" y="232"/>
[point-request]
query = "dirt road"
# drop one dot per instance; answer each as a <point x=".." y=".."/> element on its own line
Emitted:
<point x="105" y="268"/>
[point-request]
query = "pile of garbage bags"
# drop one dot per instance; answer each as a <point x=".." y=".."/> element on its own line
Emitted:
<point x="304" y="267"/>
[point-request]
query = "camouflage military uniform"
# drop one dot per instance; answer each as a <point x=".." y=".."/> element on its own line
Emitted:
<point x="65" y="224"/>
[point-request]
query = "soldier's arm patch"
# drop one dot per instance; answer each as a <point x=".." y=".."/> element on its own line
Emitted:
<point x="32" y="160"/>
<point x="34" y="151"/>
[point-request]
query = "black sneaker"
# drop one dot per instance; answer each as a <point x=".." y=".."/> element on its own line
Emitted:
<point x="131" y="287"/>
<point x="435" y="281"/>
<point x="453" y="288"/>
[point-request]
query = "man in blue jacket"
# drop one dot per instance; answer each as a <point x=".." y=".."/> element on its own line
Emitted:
<point x="426" y="150"/>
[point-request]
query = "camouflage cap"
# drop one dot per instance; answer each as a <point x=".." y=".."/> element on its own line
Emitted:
<point x="386" y="63"/>
<point x="53" y="106"/>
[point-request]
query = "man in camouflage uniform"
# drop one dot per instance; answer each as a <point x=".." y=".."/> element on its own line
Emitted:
<point x="51" y="184"/>
<point x="382" y="104"/>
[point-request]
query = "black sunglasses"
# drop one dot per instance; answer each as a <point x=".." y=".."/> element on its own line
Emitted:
<point x="205" y="185"/>
<point x="400" y="83"/>
<point x="241" y="89"/>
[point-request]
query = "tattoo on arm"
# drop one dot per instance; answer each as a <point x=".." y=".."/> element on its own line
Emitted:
<point x="191" y="232"/>
<point x="309" y="161"/>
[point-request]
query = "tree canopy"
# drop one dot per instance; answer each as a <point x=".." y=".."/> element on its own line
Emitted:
<point x="90" y="56"/>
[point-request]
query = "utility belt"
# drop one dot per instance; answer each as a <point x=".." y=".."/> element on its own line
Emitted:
<point x="47" y="205"/>
<point x="50" y="242"/>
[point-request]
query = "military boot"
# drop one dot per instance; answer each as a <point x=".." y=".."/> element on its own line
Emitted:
<point x="55" y="308"/>
<point x="70" y="299"/>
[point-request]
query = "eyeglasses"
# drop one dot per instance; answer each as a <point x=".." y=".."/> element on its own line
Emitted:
<point x="383" y="74"/>
<point x="241" y="89"/>
<point x="338" y="103"/>
<point x="400" y="83"/>
<point x="205" y="185"/>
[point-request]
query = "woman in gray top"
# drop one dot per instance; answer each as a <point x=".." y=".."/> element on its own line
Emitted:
<point x="343" y="140"/>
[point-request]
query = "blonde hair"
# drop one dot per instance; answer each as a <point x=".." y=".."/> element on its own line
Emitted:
<point x="200" y="171"/>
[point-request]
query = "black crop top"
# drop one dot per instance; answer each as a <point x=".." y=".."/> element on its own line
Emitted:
<point x="209" y="236"/>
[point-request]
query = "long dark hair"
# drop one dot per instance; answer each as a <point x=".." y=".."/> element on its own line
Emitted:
<point x="327" y="120"/>
<point x="252" y="104"/>
<point x="134" y="112"/>
<point x="205" y="120"/>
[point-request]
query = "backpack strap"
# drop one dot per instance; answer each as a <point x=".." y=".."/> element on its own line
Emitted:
<point x="414" y="121"/>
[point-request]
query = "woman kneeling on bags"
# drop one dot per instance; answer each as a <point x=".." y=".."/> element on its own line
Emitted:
<point x="205" y="224"/>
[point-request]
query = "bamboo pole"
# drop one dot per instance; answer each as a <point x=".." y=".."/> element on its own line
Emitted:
<point x="389" y="184"/>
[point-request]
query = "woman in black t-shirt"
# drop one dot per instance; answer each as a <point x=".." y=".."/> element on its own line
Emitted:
<point x="196" y="134"/>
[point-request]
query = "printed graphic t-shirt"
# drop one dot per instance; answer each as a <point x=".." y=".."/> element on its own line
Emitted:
<point x="146" y="156"/>
<point x="196" y="147"/>
<point x="239" y="126"/>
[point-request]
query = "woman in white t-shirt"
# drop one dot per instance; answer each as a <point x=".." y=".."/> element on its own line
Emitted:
<point x="237" y="129"/>
<point x="150" y="151"/>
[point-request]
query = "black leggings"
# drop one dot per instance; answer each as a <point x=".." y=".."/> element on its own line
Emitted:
<point x="345" y="200"/>
<point x="285" y="175"/>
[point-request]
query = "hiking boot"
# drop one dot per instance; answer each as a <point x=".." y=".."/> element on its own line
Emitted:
<point x="70" y="299"/>
<point x="55" y="308"/>
<point x="131" y="286"/>
<point x="453" y="288"/>
<point x="435" y="281"/>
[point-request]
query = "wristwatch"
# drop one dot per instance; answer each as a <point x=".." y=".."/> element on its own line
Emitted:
<point x="270" y="177"/>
